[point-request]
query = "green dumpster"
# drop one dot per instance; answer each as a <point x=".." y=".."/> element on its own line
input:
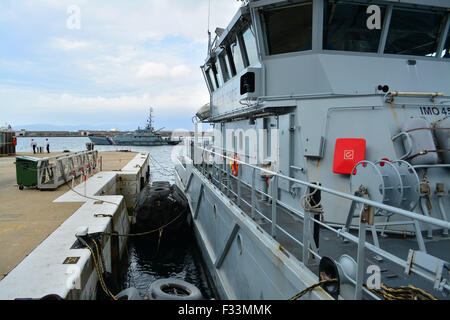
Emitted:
<point x="26" y="171"/>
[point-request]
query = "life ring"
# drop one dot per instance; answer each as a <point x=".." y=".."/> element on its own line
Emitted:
<point x="234" y="165"/>
<point x="14" y="141"/>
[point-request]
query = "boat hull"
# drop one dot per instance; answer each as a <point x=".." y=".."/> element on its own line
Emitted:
<point x="142" y="141"/>
<point x="102" y="140"/>
<point x="244" y="262"/>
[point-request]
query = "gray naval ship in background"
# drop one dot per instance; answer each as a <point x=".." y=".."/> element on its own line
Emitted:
<point x="141" y="137"/>
<point x="101" y="140"/>
<point x="330" y="161"/>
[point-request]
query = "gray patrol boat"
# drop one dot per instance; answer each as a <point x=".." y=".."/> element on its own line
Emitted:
<point x="330" y="162"/>
<point x="101" y="140"/>
<point x="144" y="137"/>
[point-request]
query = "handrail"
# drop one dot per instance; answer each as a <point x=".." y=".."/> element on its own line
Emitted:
<point x="415" y="94"/>
<point x="54" y="171"/>
<point x="286" y="233"/>
<point x="371" y="203"/>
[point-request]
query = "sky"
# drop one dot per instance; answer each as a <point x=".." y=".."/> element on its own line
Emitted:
<point x="100" y="64"/>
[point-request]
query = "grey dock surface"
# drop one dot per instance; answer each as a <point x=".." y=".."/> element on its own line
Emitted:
<point x="29" y="216"/>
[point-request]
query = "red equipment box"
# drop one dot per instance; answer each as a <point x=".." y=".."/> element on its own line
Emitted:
<point x="347" y="153"/>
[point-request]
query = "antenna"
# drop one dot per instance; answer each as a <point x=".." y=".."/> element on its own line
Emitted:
<point x="209" y="21"/>
<point x="209" y="15"/>
<point x="150" y="119"/>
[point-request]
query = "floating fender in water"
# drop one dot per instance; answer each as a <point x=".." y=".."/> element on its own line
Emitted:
<point x="161" y="183"/>
<point x="174" y="289"/>
<point x="159" y="192"/>
<point x="160" y="189"/>
<point x="129" y="294"/>
<point x="162" y="205"/>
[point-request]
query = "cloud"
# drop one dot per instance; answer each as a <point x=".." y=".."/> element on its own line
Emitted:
<point x="126" y="56"/>
<point x="154" y="70"/>
<point x="68" y="45"/>
<point x="41" y="104"/>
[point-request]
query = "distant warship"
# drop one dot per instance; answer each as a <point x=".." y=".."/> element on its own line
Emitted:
<point x="141" y="137"/>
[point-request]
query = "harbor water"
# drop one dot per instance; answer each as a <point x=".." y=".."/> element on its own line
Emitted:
<point x="146" y="262"/>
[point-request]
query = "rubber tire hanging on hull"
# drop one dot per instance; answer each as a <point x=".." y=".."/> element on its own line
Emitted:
<point x="162" y="290"/>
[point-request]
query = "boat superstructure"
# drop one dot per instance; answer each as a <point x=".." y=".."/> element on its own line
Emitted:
<point x="330" y="156"/>
<point x="141" y="137"/>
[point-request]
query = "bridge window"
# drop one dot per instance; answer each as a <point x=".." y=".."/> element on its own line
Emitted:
<point x="212" y="79"/>
<point x="414" y="32"/>
<point x="218" y="73"/>
<point x="229" y="61"/>
<point x="227" y="75"/>
<point x="345" y="28"/>
<point x="250" y="46"/>
<point x="446" y="52"/>
<point x="236" y="53"/>
<point x="288" y="29"/>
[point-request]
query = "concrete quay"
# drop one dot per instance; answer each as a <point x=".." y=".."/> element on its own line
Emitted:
<point x="37" y="228"/>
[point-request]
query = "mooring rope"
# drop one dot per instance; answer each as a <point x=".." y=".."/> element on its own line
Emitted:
<point x="402" y="293"/>
<point x="87" y="197"/>
<point x="387" y="293"/>
<point x="98" y="268"/>
<point x="311" y="288"/>
<point x="161" y="167"/>
<point x="147" y="232"/>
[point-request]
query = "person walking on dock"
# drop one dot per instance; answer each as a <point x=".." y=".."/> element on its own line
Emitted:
<point x="48" y="145"/>
<point x="34" y="145"/>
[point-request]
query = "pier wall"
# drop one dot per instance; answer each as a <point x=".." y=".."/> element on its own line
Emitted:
<point x="58" y="266"/>
<point x="132" y="179"/>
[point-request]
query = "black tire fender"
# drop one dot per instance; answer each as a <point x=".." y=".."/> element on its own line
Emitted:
<point x="160" y="192"/>
<point x="159" y="288"/>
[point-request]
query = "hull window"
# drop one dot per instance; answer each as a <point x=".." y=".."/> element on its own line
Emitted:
<point x="288" y="29"/>
<point x="414" y="32"/>
<point x="345" y="28"/>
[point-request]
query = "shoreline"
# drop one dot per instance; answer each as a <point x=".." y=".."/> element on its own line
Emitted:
<point x="81" y="133"/>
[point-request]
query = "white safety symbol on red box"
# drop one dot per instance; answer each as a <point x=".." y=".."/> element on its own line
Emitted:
<point x="349" y="154"/>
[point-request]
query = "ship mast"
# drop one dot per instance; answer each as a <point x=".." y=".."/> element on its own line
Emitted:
<point x="150" y="119"/>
